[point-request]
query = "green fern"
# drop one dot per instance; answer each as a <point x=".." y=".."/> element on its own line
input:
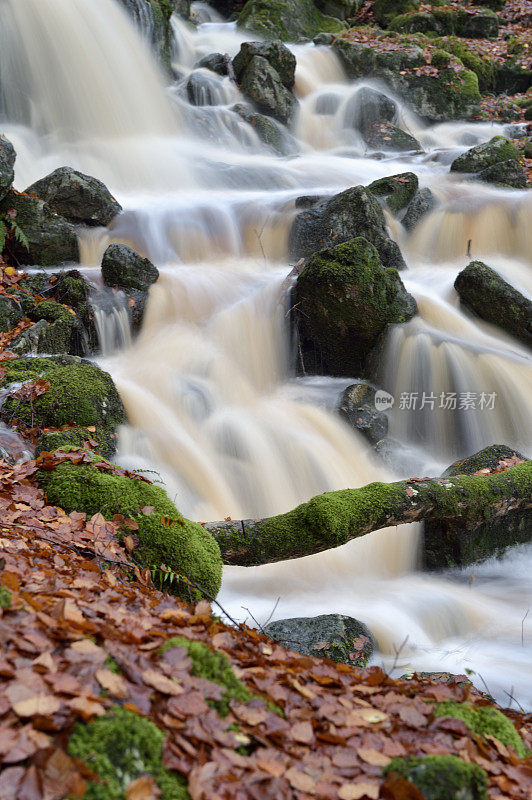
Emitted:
<point x="19" y="235"/>
<point x="3" y="235"/>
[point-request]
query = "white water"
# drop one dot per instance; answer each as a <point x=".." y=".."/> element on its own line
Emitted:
<point x="209" y="384"/>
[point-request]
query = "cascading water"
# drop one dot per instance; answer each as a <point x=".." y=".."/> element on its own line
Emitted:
<point x="209" y="383"/>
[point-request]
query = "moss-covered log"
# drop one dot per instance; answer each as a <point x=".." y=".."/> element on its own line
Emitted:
<point x="334" y="518"/>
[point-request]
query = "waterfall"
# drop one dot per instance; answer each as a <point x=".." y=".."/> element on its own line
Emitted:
<point x="209" y="384"/>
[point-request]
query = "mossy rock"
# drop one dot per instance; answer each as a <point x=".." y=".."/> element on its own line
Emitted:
<point x="441" y="777"/>
<point x="421" y="204"/>
<point x="353" y="213"/>
<point x="7" y="165"/>
<point x="335" y="636"/>
<point x="10" y="313"/>
<point x="494" y="300"/>
<point x="485" y="155"/>
<point x="165" y="536"/>
<point x="74" y="438"/>
<point x="123" y="267"/>
<point x="396" y="191"/>
<point x="385" y="136"/>
<point x="345" y="298"/>
<point x="269" y="131"/>
<point x="263" y="85"/>
<point x="384" y="11"/>
<point x="505" y="173"/>
<point x="215" y="667"/>
<point x="77" y="197"/>
<point x="276" y="54"/>
<point x="80" y="393"/>
<point x="483" y="65"/>
<point x="51" y="239"/>
<point x="288" y="20"/>
<point x="484" y="721"/>
<point x="152" y="17"/>
<point x="119" y="747"/>
<point x="488" y="458"/>
<point x="471" y="24"/>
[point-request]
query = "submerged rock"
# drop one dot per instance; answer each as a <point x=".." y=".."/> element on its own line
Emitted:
<point x="343" y="299"/>
<point x="487" y="294"/>
<point x="123" y="267"/>
<point x="355" y="212"/>
<point x="269" y="131"/>
<point x="51" y="239"/>
<point x="357" y="407"/>
<point x="368" y="107"/>
<point x="288" y="20"/>
<point x="262" y="84"/>
<point x="342" y="639"/>
<point x="77" y="197"/>
<point x="396" y="191"/>
<point x="216" y="62"/>
<point x="203" y="89"/>
<point x="276" y="54"/>
<point x="385" y="136"/>
<point x="7" y="164"/>
<point x="496" y="161"/>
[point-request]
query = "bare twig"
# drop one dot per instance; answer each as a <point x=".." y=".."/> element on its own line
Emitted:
<point x="523" y="628"/>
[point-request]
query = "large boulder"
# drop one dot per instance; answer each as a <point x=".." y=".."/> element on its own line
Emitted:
<point x="385" y="136"/>
<point x="122" y="267"/>
<point x="435" y="84"/>
<point x="342" y="639"/>
<point x="496" y="161"/>
<point x="396" y="191"/>
<point x="51" y="239"/>
<point x="57" y="330"/>
<point x="355" y="212"/>
<point x="468" y="23"/>
<point x="262" y="84"/>
<point x="494" y="300"/>
<point x="367" y="107"/>
<point x="421" y="204"/>
<point x="288" y="20"/>
<point x="276" y="54"/>
<point x="344" y="299"/>
<point x="80" y="393"/>
<point x="7" y="164"/>
<point x="77" y="197"/>
<point x="455" y="541"/>
<point x="357" y="407"/>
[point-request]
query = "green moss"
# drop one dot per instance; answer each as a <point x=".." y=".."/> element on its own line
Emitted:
<point x="120" y="747"/>
<point x="5" y="597"/>
<point x="484" y="720"/>
<point x="10" y="314"/>
<point x="73" y="438"/>
<point x="51" y="312"/>
<point x="482" y="156"/>
<point x="183" y="546"/>
<point x="214" y="667"/>
<point x="442" y="777"/>
<point x="288" y="20"/>
<point x="398" y="190"/>
<point x="385" y="10"/>
<point x="79" y="393"/>
<point x="112" y="665"/>
<point x="482" y="65"/>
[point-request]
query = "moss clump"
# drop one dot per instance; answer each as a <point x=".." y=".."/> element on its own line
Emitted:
<point x="214" y="667"/>
<point x="488" y="458"/>
<point x="442" y="777"/>
<point x="385" y="10"/>
<point x="79" y="393"/>
<point x="288" y="20"/>
<point x="74" y="438"/>
<point x="5" y="597"/>
<point x="120" y="747"/>
<point x="397" y="190"/>
<point x="166" y="537"/>
<point x="482" y="156"/>
<point x="482" y="65"/>
<point x="484" y="720"/>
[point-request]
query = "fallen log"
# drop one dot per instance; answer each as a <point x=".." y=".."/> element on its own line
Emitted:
<point x="467" y="506"/>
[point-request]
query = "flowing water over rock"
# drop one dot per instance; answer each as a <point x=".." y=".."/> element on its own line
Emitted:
<point x="209" y="384"/>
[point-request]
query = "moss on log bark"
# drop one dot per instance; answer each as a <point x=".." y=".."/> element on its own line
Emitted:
<point x="469" y="503"/>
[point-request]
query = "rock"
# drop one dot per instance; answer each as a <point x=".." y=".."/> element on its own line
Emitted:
<point x="7" y="164"/>
<point x="397" y="191"/>
<point x="51" y="239"/>
<point x="80" y="393"/>
<point x="368" y="107"/>
<point x="10" y="313"/>
<point x="227" y="8"/>
<point x="477" y="25"/>
<point x="77" y="197"/>
<point x="76" y="437"/>
<point x="449" y="22"/>
<point x="485" y="155"/>
<point x="488" y="458"/>
<point x="456" y="541"/>
<point x="385" y="136"/>
<point x="357" y="407"/>
<point x="426" y="775"/>
<point x="447" y="91"/>
<point x="343" y="300"/>
<point x="153" y="20"/>
<point x="269" y="131"/>
<point x="261" y="83"/>
<point x="216" y="62"/>
<point x="487" y="294"/>
<point x="276" y="54"/>
<point x="203" y="89"/>
<point x="421" y="204"/>
<point x="341" y="9"/>
<point x="385" y="10"/>
<point x="288" y="20"/>
<point x="181" y="8"/>
<point x="342" y="639"/>
<point x="355" y="212"/>
<point x="328" y="104"/>
<point x="56" y="331"/>
<point x="505" y="173"/>
<point x="392" y="453"/>
<point x="323" y="39"/>
<point x="123" y="267"/>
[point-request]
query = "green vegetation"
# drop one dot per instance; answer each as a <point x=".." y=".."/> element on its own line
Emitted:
<point x="442" y="777"/>
<point x="484" y="720"/>
<point x="166" y="537"/>
<point x="288" y="20"/>
<point x="5" y="597"/>
<point x="120" y="747"/>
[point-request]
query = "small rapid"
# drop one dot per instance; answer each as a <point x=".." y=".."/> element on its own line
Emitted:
<point x="210" y="384"/>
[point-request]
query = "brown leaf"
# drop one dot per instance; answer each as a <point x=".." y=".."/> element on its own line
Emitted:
<point x="373" y="757"/>
<point x="160" y="682"/>
<point x="300" y="781"/>
<point x="355" y="791"/>
<point x="40" y="704"/>
<point x="302" y="732"/>
<point x="144" y="788"/>
<point x="86" y="708"/>
<point x="113" y="683"/>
